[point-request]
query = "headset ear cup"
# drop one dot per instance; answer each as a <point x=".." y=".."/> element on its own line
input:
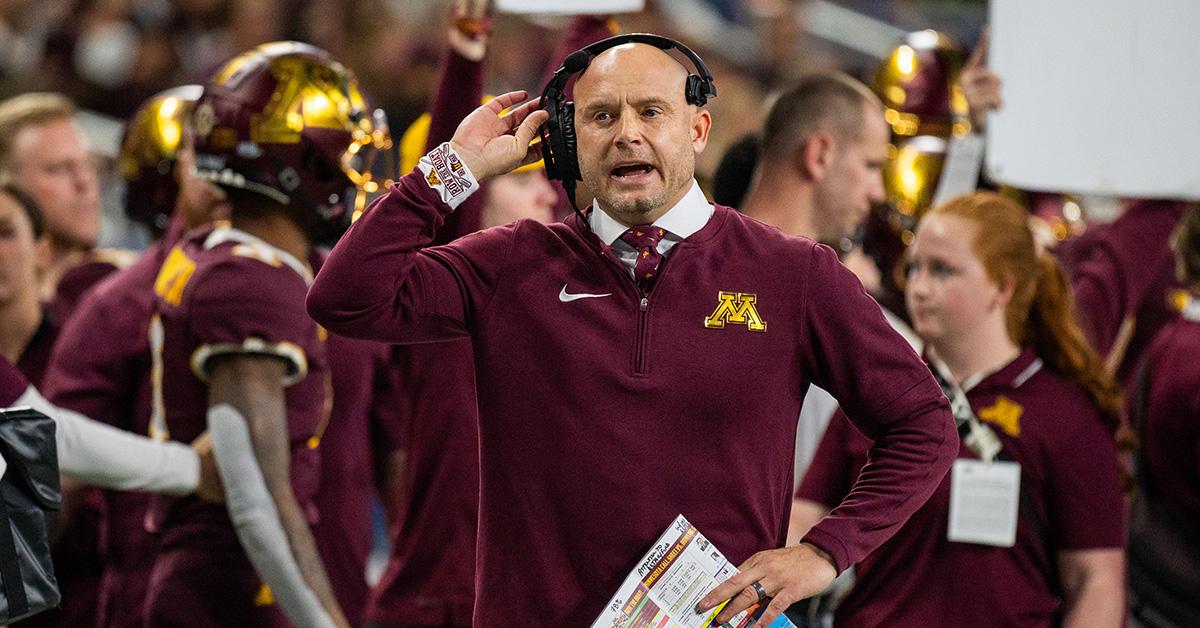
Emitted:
<point x="695" y="91"/>
<point x="570" y="155"/>
<point x="699" y="90"/>
<point x="552" y="145"/>
<point x="549" y="134"/>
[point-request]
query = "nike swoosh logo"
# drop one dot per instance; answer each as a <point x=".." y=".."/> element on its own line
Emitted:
<point x="567" y="297"/>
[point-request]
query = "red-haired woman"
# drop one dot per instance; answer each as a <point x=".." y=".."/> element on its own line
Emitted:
<point x="1027" y="528"/>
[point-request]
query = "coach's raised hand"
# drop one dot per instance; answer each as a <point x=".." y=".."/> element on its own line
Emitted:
<point x="491" y="144"/>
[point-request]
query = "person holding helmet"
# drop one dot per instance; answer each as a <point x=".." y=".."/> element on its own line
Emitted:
<point x="287" y="134"/>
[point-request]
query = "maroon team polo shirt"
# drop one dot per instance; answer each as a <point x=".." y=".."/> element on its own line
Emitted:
<point x="603" y="418"/>
<point x="1172" y="423"/>
<point x="1068" y="469"/>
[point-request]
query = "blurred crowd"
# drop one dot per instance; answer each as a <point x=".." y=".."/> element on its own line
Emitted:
<point x="110" y="55"/>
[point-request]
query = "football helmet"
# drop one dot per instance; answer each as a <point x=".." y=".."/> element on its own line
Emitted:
<point x="910" y="179"/>
<point x="919" y="86"/>
<point x="289" y="122"/>
<point x="149" y="150"/>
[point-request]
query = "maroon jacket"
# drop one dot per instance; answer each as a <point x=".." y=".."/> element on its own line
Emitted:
<point x="602" y="419"/>
<point x="1069" y="472"/>
<point x="430" y="577"/>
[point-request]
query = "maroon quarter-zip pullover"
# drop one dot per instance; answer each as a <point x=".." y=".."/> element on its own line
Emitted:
<point x="604" y="416"/>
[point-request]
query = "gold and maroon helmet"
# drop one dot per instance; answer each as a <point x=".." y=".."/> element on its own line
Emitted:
<point x="919" y="86"/>
<point x="149" y="150"/>
<point x="289" y="122"/>
<point x="910" y="179"/>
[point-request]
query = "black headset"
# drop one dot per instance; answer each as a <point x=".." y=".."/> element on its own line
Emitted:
<point x="558" y="133"/>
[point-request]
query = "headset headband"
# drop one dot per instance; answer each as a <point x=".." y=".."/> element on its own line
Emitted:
<point x="579" y="60"/>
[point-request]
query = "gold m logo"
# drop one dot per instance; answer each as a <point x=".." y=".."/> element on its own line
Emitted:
<point x="736" y="308"/>
<point x="1006" y="414"/>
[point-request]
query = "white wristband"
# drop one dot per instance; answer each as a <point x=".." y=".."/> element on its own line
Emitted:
<point x="446" y="173"/>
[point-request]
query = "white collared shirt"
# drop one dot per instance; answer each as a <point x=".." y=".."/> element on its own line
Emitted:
<point x="688" y="216"/>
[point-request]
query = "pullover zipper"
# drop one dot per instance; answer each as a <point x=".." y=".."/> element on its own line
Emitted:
<point x="639" y="358"/>
<point x="639" y="366"/>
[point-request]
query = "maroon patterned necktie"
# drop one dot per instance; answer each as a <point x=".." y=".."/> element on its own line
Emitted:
<point x="644" y="239"/>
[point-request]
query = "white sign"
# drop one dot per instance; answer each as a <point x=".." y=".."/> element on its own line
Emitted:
<point x="1099" y="97"/>
<point x="569" y="7"/>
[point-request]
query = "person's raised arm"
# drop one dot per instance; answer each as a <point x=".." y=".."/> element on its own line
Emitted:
<point x="459" y="87"/>
<point x="981" y="86"/>
<point x="1120" y="268"/>
<point x="583" y="31"/>
<point x="458" y="92"/>
<point x="251" y="388"/>
<point x="380" y="282"/>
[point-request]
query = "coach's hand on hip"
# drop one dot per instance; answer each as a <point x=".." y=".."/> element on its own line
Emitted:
<point x="491" y="144"/>
<point x="785" y="575"/>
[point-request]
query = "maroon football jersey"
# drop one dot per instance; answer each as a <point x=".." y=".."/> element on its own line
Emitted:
<point x="1073" y="502"/>
<point x="100" y="368"/>
<point x="223" y="292"/>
